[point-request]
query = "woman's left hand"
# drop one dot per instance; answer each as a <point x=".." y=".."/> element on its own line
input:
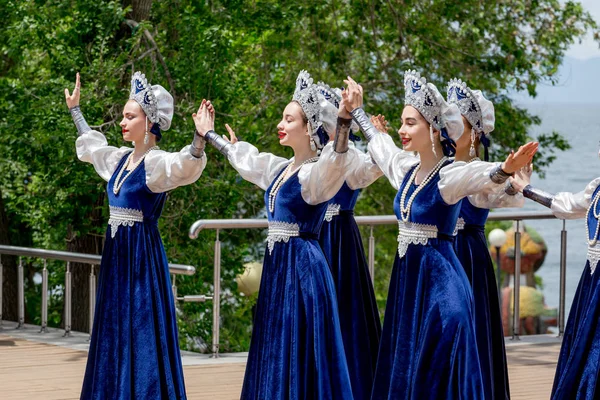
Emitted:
<point x="523" y="156"/>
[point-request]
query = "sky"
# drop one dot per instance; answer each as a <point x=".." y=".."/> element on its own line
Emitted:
<point x="588" y="48"/>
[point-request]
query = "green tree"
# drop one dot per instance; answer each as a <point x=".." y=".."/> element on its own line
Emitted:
<point x="244" y="56"/>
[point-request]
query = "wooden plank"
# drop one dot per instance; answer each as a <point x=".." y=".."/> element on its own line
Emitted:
<point x="38" y="370"/>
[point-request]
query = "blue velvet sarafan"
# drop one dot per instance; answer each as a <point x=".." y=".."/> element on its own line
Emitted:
<point x="578" y="369"/>
<point x="428" y="348"/>
<point x="134" y="349"/>
<point x="472" y="251"/>
<point x="296" y="351"/>
<point x="359" y="318"/>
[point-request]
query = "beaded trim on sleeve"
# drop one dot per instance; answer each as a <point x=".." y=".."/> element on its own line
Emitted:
<point x="120" y="216"/>
<point x="280" y="231"/>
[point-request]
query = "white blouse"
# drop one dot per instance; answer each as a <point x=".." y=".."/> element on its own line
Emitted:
<point x="164" y="171"/>
<point x="566" y="205"/>
<point x="457" y="180"/>
<point x="319" y="181"/>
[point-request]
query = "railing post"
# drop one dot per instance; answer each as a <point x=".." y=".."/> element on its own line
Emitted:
<point x="21" y="294"/>
<point x="92" y="297"/>
<point x="498" y="276"/>
<point x="563" y="280"/>
<point x="216" y="298"/>
<point x="174" y="288"/>
<point x="372" y="255"/>
<point x="517" y="284"/>
<point x="1" y="292"/>
<point x="44" y="327"/>
<point x="68" y="300"/>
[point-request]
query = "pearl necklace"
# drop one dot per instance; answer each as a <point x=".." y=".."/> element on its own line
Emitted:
<point x="280" y="181"/>
<point x="118" y="182"/>
<point x="473" y="159"/>
<point x="593" y="207"/>
<point x="405" y="211"/>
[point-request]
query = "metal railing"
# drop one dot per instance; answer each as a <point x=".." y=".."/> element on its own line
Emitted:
<point x="371" y="222"/>
<point x="69" y="257"/>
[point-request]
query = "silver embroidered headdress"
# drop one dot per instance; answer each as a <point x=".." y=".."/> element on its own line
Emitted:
<point x="318" y="103"/>
<point x="478" y="110"/>
<point x="156" y="102"/>
<point x="427" y="99"/>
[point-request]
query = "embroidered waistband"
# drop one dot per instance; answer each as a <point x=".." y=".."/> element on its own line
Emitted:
<point x="413" y="233"/>
<point x="460" y="225"/>
<point x="280" y="231"/>
<point x="593" y="257"/>
<point x="333" y="210"/>
<point x="120" y="216"/>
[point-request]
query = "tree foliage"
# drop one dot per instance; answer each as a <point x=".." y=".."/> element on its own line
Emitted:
<point x="244" y="56"/>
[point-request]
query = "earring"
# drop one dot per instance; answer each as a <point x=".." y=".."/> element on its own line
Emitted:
<point x="313" y="144"/>
<point x="146" y="134"/>
<point x="472" y="149"/>
<point x="432" y="140"/>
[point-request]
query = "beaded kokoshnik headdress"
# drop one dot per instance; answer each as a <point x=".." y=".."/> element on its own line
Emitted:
<point x="320" y="105"/>
<point x="478" y="110"/>
<point x="156" y="102"/>
<point x="441" y="116"/>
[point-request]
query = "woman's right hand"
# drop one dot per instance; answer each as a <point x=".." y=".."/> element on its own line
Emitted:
<point x="232" y="138"/>
<point x="73" y="99"/>
<point x="522" y="178"/>
<point x="380" y="123"/>
<point x="204" y="119"/>
<point x="352" y="95"/>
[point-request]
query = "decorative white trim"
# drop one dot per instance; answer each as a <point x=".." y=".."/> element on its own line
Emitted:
<point x="460" y="225"/>
<point x="333" y="210"/>
<point x="413" y="233"/>
<point x="593" y="256"/>
<point x="120" y="216"/>
<point x="280" y="231"/>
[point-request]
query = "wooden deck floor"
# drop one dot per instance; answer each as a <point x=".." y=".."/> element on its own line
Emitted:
<point x="36" y="370"/>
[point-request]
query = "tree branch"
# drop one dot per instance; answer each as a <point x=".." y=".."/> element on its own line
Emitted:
<point x="133" y="24"/>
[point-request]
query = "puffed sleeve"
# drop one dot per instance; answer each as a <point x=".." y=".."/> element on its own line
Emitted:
<point x="362" y="172"/>
<point x="393" y="162"/>
<point x="93" y="148"/>
<point x="322" y="180"/>
<point x="166" y="171"/>
<point x="461" y="179"/>
<point x="255" y="167"/>
<point x="566" y="205"/>
<point x="497" y="200"/>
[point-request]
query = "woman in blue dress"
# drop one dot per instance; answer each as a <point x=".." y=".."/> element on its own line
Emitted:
<point x="134" y="350"/>
<point x="296" y="351"/>
<point x="428" y="348"/>
<point x="342" y="245"/>
<point x="577" y="371"/>
<point x="471" y="245"/>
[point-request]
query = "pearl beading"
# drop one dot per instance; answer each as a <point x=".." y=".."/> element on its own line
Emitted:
<point x="281" y="180"/>
<point x="460" y="225"/>
<point x="118" y="182"/>
<point x="120" y="216"/>
<point x="405" y="210"/>
<point x="413" y="233"/>
<point x="280" y="231"/>
<point x="333" y="210"/>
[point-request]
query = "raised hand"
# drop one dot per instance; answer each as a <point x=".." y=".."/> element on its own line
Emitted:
<point x="204" y="119"/>
<point x="73" y="99"/>
<point x="232" y="138"/>
<point x="523" y="156"/>
<point x="342" y="111"/>
<point x="522" y="177"/>
<point x="380" y="123"/>
<point x="352" y="95"/>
